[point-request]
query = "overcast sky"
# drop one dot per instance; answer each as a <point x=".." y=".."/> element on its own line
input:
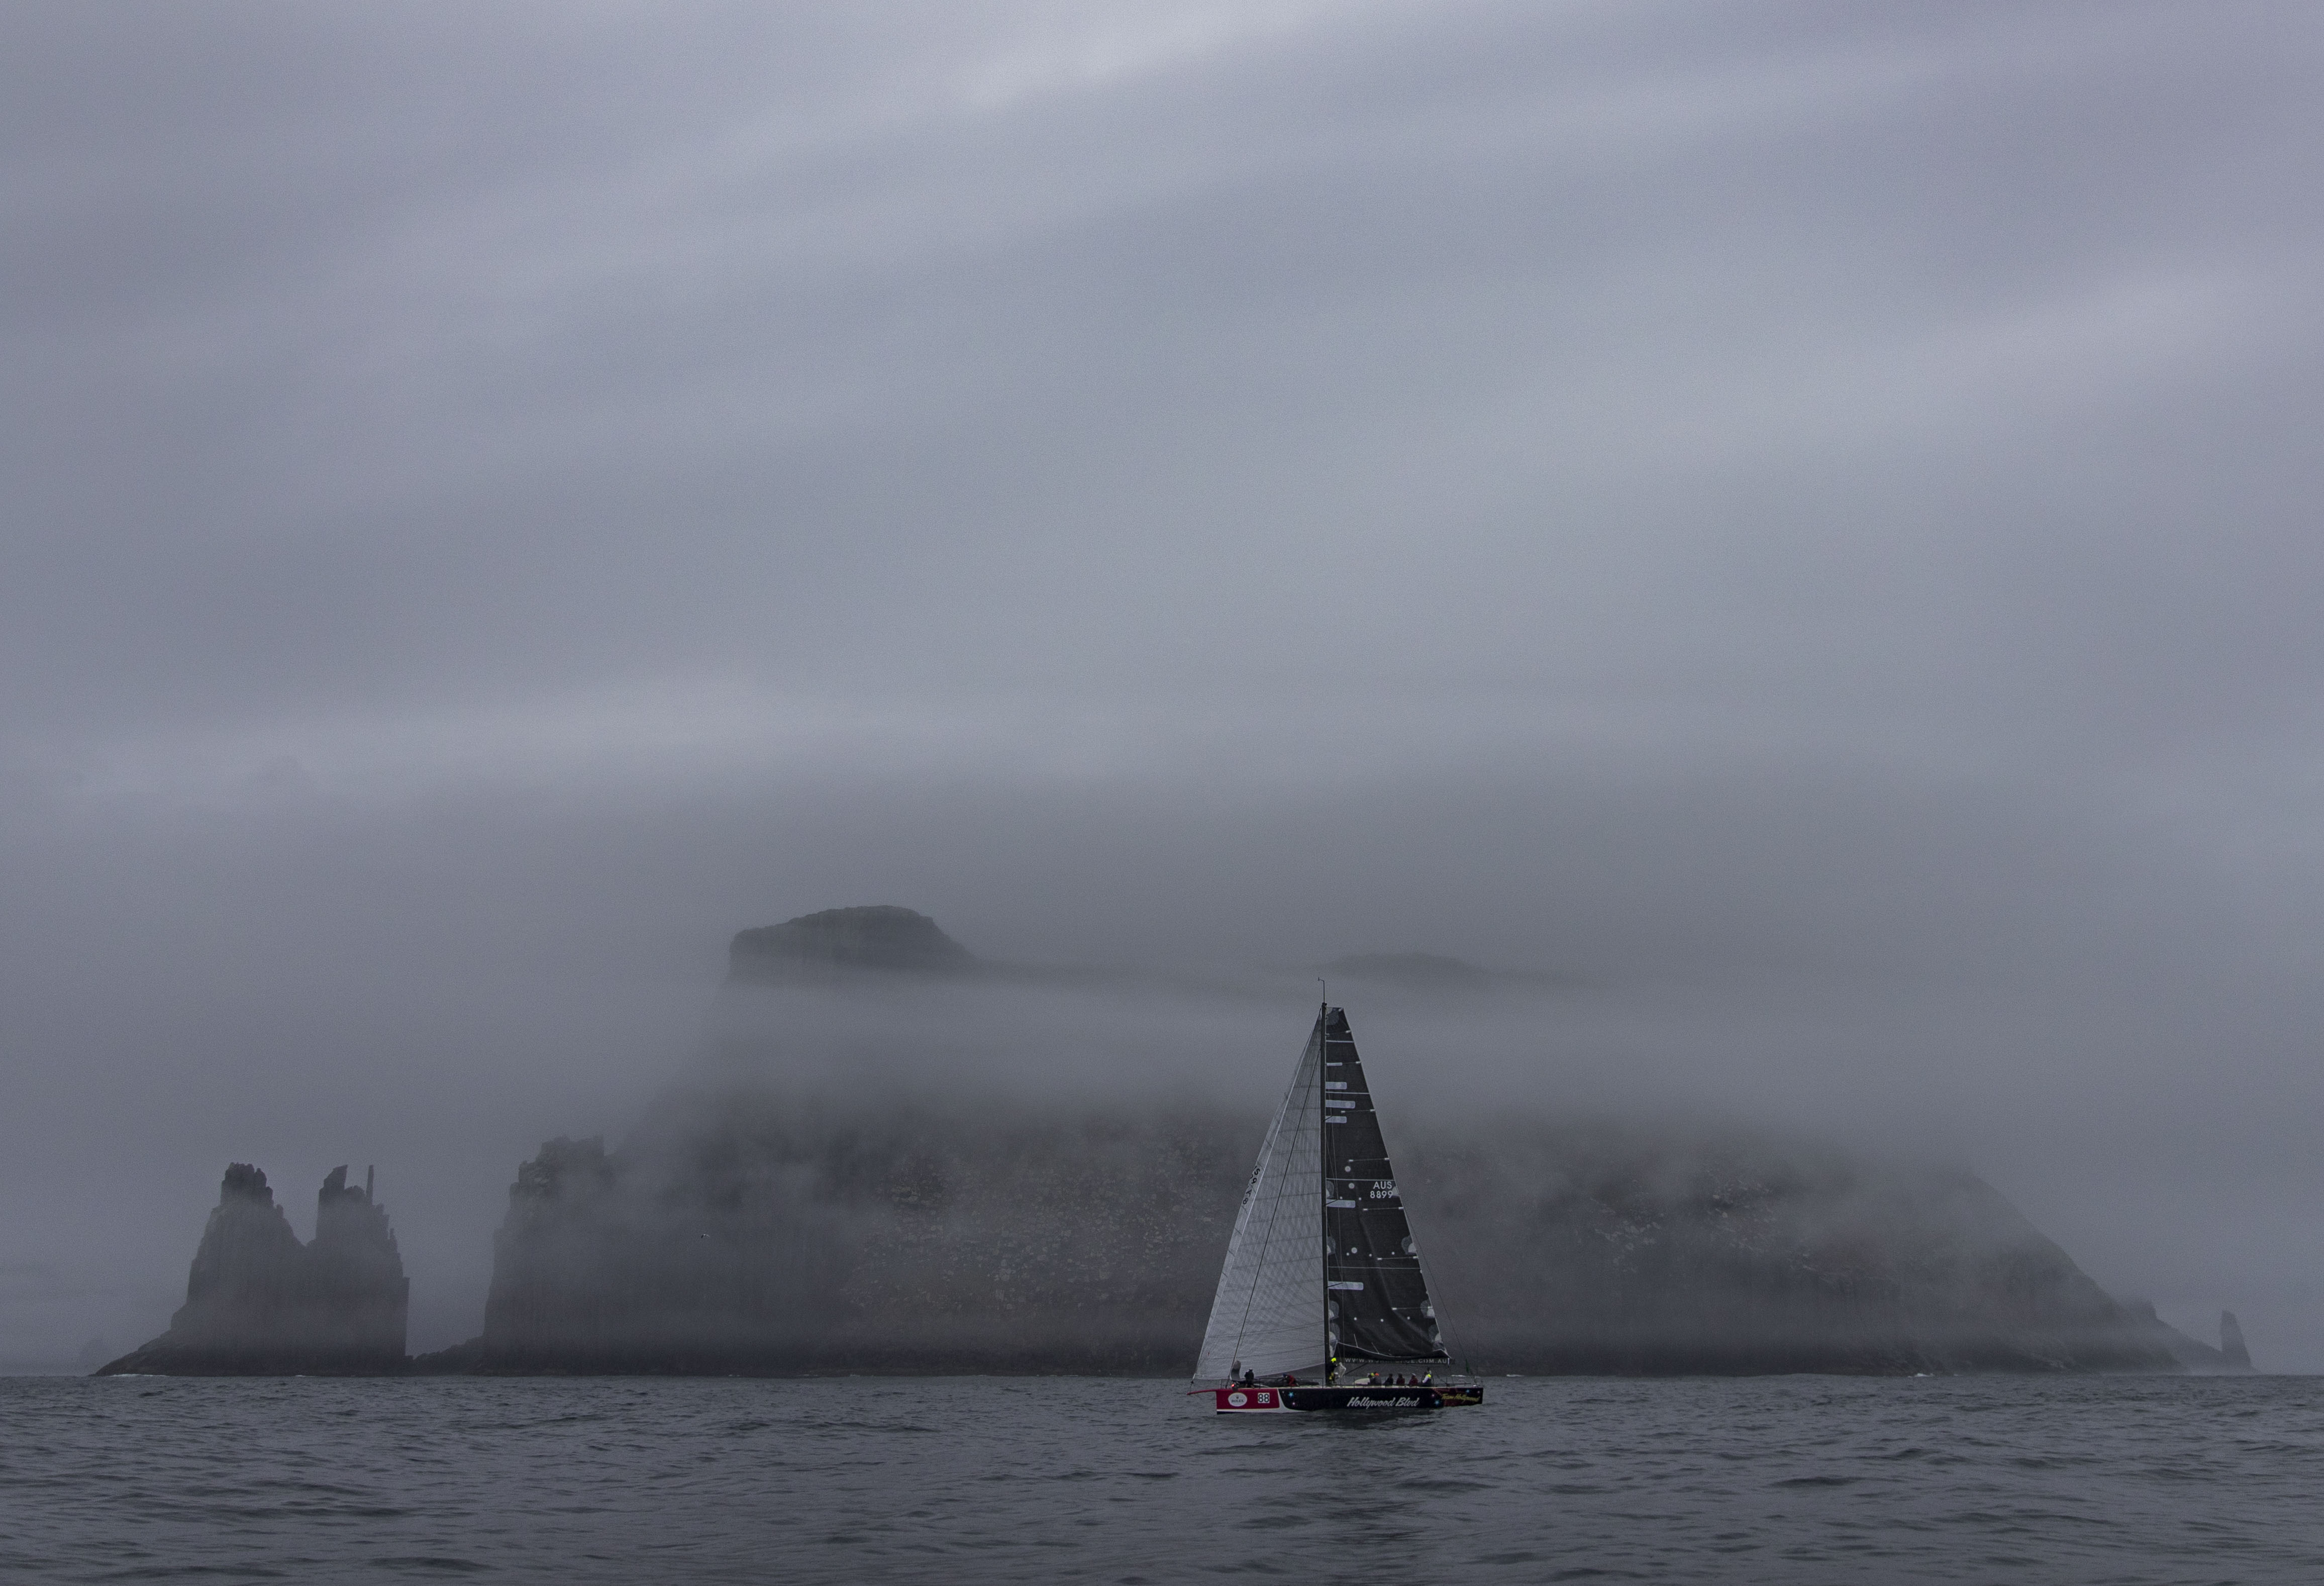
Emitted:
<point x="1800" y="518"/>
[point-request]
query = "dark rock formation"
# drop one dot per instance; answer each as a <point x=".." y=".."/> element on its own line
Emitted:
<point x="2193" y="1354"/>
<point x="259" y="1303"/>
<point x="839" y="942"/>
<point x="918" y="1240"/>
<point x="862" y="1198"/>
<point x="753" y="1235"/>
<point x="2231" y="1342"/>
<point x="1596" y="1250"/>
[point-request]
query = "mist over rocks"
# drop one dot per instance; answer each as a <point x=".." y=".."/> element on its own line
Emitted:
<point x="261" y="1302"/>
<point x="881" y="1163"/>
<point x="766" y="1236"/>
<point x="1606" y="1248"/>
<point x="913" y="1171"/>
<point x="2232" y="1348"/>
<point x="752" y="1232"/>
<point x="835" y="942"/>
<point x="2230" y="1357"/>
<point x="1799" y="516"/>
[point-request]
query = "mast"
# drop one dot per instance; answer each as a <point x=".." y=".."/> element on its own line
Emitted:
<point x="1324" y="1187"/>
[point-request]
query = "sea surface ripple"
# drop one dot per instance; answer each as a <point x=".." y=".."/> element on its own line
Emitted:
<point x="1793" y="1479"/>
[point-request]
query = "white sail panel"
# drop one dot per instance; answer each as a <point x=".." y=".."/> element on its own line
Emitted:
<point x="1269" y="1313"/>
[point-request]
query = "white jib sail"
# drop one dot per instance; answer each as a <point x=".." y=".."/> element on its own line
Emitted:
<point x="1268" y="1315"/>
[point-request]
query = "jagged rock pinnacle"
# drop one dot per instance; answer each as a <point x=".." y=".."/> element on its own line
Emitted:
<point x="259" y="1303"/>
<point x="2231" y="1341"/>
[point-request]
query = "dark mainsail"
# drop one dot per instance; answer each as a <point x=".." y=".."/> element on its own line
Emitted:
<point x="1376" y="1304"/>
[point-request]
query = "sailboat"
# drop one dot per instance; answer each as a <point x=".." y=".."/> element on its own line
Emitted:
<point x="1322" y="1303"/>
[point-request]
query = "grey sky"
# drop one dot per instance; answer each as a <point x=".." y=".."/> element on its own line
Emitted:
<point x="1800" y="516"/>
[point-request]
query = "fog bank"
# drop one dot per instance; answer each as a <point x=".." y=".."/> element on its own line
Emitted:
<point x="1789" y="526"/>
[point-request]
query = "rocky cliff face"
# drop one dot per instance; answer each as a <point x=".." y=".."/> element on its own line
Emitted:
<point x="764" y="1234"/>
<point x="1570" y="1249"/>
<point x="801" y="1238"/>
<point x="861" y="1195"/>
<point x="258" y="1301"/>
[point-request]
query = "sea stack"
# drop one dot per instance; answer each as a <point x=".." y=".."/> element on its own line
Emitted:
<point x="259" y="1303"/>
<point x="2231" y="1342"/>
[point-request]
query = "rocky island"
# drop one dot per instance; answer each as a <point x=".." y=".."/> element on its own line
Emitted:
<point x="780" y="1240"/>
<point x="766" y="1228"/>
<point x="837" y="943"/>
<point x="808" y="1210"/>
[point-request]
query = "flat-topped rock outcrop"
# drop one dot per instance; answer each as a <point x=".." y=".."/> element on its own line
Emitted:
<point x="836" y="943"/>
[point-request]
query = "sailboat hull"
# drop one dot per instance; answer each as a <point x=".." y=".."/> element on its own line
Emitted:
<point x="1363" y="1397"/>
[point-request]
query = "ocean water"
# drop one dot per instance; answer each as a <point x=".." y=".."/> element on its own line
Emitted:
<point x="1799" y="1479"/>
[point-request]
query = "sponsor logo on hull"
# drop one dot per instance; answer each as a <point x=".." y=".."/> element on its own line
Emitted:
<point x="1253" y="1401"/>
<point x="1364" y="1398"/>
